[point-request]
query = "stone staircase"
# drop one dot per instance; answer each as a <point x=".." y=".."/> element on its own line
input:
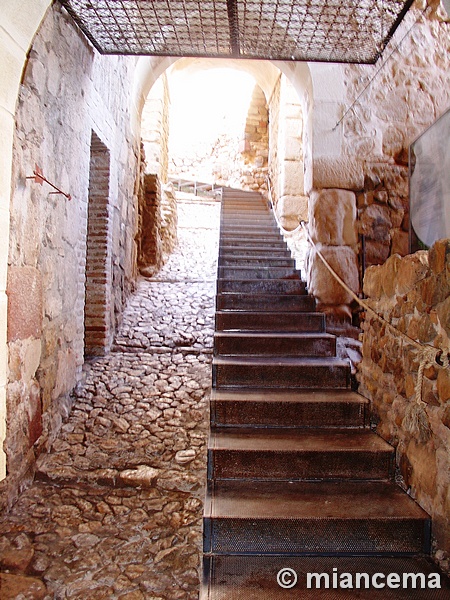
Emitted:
<point x="296" y="479"/>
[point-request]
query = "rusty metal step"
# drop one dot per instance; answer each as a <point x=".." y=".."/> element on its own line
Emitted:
<point x="262" y="286"/>
<point x="300" y="322"/>
<point x="265" y="302"/>
<point x="241" y="577"/>
<point x="280" y="372"/>
<point x="249" y="227"/>
<point x="249" y="251"/>
<point x="256" y="261"/>
<point x="292" y="454"/>
<point x="353" y="518"/>
<point x="257" y="343"/>
<point x="262" y="408"/>
<point x="257" y="272"/>
<point x="241" y="243"/>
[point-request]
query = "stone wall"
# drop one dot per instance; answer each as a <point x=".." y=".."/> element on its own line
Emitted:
<point x="407" y="95"/>
<point x="254" y="147"/>
<point x="72" y="103"/>
<point x="332" y="227"/>
<point x="413" y="294"/>
<point x="155" y="139"/>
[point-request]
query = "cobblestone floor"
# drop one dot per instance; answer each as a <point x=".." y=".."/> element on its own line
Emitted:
<point x="116" y="511"/>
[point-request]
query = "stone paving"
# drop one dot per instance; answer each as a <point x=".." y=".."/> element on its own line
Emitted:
<point x="116" y="510"/>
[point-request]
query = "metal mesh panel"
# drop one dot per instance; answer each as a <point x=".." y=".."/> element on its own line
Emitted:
<point x="255" y="578"/>
<point x="312" y="30"/>
<point x="317" y="536"/>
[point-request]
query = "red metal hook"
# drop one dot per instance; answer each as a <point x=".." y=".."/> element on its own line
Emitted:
<point x="38" y="177"/>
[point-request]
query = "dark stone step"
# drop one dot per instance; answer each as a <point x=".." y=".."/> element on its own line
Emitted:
<point x="255" y="578"/>
<point x="301" y="322"/>
<point x="280" y="372"/>
<point x="258" y="343"/>
<point x="257" y="517"/>
<point x="258" y="261"/>
<point x="292" y="454"/>
<point x="301" y="408"/>
<point x="265" y="302"/>
<point x="257" y="272"/>
<point x="262" y="286"/>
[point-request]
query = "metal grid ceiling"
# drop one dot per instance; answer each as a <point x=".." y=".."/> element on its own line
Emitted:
<point x="309" y="30"/>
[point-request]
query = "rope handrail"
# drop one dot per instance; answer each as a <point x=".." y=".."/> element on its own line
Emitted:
<point x="414" y="419"/>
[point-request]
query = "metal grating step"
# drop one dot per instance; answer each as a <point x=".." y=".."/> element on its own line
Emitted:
<point x="293" y="455"/>
<point x="256" y="578"/>
<point x="257" y="517"/>
<point x="300" y="408"/>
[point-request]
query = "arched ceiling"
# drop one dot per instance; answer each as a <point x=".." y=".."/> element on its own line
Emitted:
<point x="350" y="31"/>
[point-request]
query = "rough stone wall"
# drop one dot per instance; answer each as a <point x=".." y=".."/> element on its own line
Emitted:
<point x="254" y="147"/>
<point x="292" y="205"/>
<point x="332" y="228"/>
<point x="155" y="138"/>
<point x="413" y="294"/>
<point x="150" y="246"/>
<point x="155" y="129"/>
<point x="68" y="92"/>
<point x="274" y="151"/>
<point x="408" y="94"/>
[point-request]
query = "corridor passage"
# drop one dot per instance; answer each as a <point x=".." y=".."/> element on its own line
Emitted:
<point x="116" y="509"/>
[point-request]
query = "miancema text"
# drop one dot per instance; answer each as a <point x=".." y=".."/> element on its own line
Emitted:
<point x="375" y="580"/>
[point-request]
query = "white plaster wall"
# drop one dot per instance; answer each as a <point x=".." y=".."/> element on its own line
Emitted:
<point x="19" y="20"/>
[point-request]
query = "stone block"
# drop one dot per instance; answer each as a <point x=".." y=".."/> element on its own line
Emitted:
<point x="291" y="210"/>
<point x="292" y="178"/>
<point x="321" y="284"/>
<point x="439" y="256"/>
<point x="66" y="373"/>
<point x="377" y="252"/>
<point x="337" y="172"/>
<point x="375" y="222"/>
<point x="372" y="286"/>
<point x="13" y="58"/>
<point x="413" y="269"/>
<point x="20" y="586"/>
<point x="6" y="141"/>
<point x="332" y="217"/>
<point x="24" y="293"/>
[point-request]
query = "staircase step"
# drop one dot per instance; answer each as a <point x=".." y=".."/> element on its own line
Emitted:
<point x="255" y="578"/>
<point x="292" y="454"/>
<point x="257" y="272"/>
<point x="274" y="344"/>
<point x="249" y="251"/>
<point x="258" y="517"/>
<point x="265" y="302"/>
<point x="242" y="217"/>
<point x="289" y="373"/>
<point x="240" y="243"/>
<point x="262" y="286"/>
<point x="275" y="408"/>
<point x="256" y="261"/>
<point x="252" y="234"/>
<point x="249" y="228"/>
<point x="300" y="322"/>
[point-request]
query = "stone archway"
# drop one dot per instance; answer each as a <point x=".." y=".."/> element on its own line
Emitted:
<point x="19" y="22"/>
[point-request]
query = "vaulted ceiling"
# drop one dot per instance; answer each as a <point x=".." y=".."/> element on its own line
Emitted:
<point x="303" y="30"/>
